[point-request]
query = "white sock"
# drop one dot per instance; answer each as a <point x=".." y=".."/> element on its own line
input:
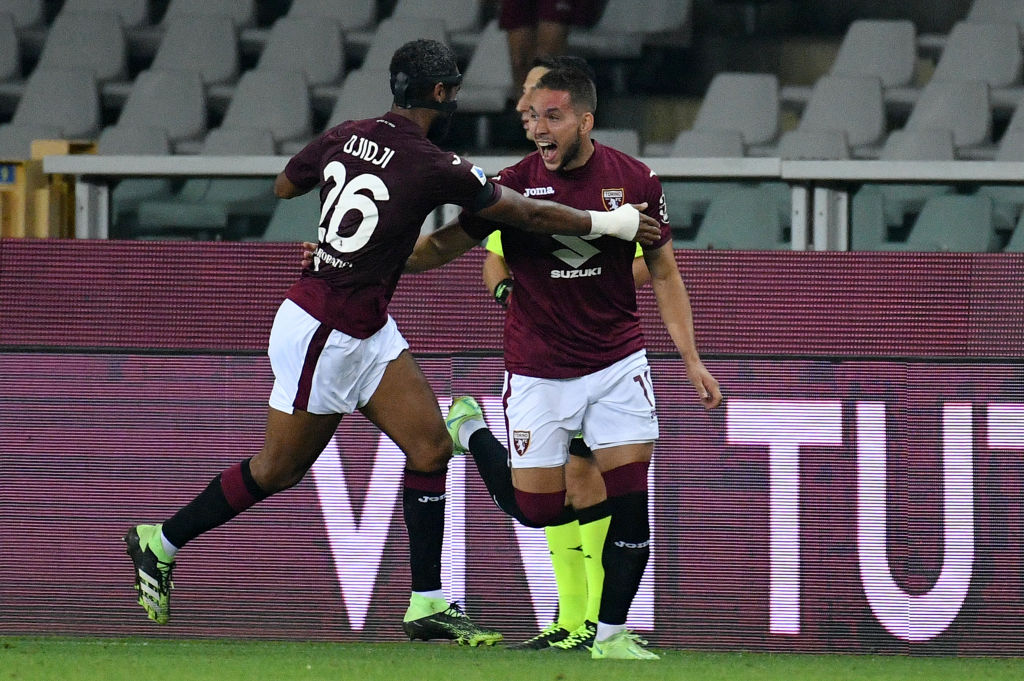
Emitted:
<point x="467" y="429"/>
<point x="606" y="631"/>
<point x="169" y="548"/>
<point x="439" y="593"/>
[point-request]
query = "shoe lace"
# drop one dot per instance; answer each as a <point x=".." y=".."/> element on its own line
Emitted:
<point x="455" y="610"/>
<point x="544" y="633"/>
<point x="578" y="636"/>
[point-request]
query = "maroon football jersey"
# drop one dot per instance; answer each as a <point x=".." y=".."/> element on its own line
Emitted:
<point x="380" y="179"/>
<point x="573" y="310"/>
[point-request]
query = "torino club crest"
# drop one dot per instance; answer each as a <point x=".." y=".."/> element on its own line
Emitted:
<point x="612" y="198"/>
<point x="521" y="441"/>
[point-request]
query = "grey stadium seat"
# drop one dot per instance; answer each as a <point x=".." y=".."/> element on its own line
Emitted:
<point x="363" y="94"/>
<point x="625" y="140"/>
<point x="989" y="52"/>
<point x="172" y="100"/>
<point x="814" y="145"/>
<point x="133" y="13"/>
<point x="16" y="140"/>
<point x="272" y="100"/>
<point x="744" y="218"/>
<point x="313" y="45"/>
<point x="745" y="102"/>
<point x="89" y="40"/>
<point x="960" y="106"/>
<point x="294" y="219"/>
<point x="393" y="33"/>
<point x="851" y="104"/>
<point x="206" y="44"/>
<point x="65" y="99"/>
<point x="954" y="223"/>
<point x="707" y="144"/>
<point x="129" y="193"/>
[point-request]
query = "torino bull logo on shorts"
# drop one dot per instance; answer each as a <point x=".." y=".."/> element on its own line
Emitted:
<point x="612" y="198"/>
<point x="521" y="441"/>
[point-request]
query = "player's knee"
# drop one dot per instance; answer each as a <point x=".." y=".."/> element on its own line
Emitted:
<point x="540" y="509"/>
<point x="431" y="452"/>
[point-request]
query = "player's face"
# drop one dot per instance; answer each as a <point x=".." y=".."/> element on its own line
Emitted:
<point x="523" y="105"/>
<point x="561" y="135"/>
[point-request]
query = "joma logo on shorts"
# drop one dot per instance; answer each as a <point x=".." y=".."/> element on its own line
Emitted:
<point x="538" y="191"/>
<point x="631" y="545"/>
<point x="425" y="499"/>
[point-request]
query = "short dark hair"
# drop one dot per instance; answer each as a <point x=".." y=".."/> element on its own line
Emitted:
<point x="581" y="89"/>
<point x="566" y="61"/>
<point x="424" y="63"/>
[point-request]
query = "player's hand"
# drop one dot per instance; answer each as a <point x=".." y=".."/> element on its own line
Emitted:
<point x="308" y="249"/>
<point x="708" y="391"/>
<point x="650" y="229"/>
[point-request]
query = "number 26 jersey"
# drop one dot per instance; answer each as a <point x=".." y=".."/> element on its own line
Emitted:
<point x="380" y="179"/>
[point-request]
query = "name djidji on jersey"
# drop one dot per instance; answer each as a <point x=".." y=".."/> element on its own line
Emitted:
<point x="576" y="274"/>
<point x="368" y="150"/>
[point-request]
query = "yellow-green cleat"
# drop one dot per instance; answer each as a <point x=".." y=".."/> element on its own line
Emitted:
<point x="581" y="638"/>
<point x="624" y="645"/>
<point x="152" y="571"/>
<point x="463" y="409"/>
<point x="548" y="636"/>
<point x="435" y="618"/>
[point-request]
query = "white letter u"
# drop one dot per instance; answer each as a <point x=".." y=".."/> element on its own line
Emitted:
<point x="916" y="617"/>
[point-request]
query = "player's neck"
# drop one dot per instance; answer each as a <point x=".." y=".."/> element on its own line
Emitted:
<point x="583" y="156"/>
<point x="421" y="117"/>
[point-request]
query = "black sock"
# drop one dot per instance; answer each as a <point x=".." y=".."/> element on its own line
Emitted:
<point x="226" y="496"/>
<point x="626" y="552"/>
<point x="423" y="501"/>
<point x="492" y="464"/>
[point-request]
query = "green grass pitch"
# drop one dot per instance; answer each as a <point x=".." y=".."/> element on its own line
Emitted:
<point x="73" y="659"/>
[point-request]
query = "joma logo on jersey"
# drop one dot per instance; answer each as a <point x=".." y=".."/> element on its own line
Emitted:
<point x="521" y="441"/>
<point x="612" y="198"/>
<point x="538" y="191"/>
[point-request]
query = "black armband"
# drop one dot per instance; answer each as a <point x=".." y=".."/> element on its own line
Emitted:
<point x="502" y="291"/>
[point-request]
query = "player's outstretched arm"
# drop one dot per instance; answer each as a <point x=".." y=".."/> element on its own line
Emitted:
<point x="676" y="313"/>
<point x="548" y="217"/>
<point x="439" y="247"/>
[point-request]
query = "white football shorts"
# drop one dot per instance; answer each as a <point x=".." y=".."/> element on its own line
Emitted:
<point x="613" y="406"/>
<point x="322" y="370"/>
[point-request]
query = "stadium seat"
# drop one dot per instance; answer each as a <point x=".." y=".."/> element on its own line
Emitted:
<point x="850" y="104"/>
<point x="393" y="33"/>
<point x="488" y="81"/>
<point x="363" y="94"/>
<point x="313" y="45"/>
<point x="352" y="15"/>
<point x="745" y="102"/>
<point x="272" y="100"/>
<point x="130" y="192"/>
<point x="707" y="144"/>
<point x="172" y="100"/>
<point x="960" y="106"/>
<point x="625" y="140"/>
<point x="294" y="219"/>
<point x="216" y="207"/>
<point x="16" y="140"/>
<point x="459" y="16"/>
<point x="25" y="13"/>
<point x="241" y="12"/>
<point x="997" y="12"/>
<point x="954" y="223"/>
<point x="1016" y="241"/>
<point x="744" y="218"/>
<point x="89" y="40"/>
<point x="133" y="13"/>
<point x="11" y="81"/>
<point x="626" y="26"/>
<point x="814" y="145"/>
<point x="902" y="201"/>
<point x="1007" y="199"/>
<point x="988" y="52"/>
<point x="881" y="48"/>
<point x="205" y="44"/>
<point x="64" y="99"/>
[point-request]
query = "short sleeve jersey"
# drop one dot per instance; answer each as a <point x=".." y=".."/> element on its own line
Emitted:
<point x="379" y="179"/>
<point x="573" y="310"/>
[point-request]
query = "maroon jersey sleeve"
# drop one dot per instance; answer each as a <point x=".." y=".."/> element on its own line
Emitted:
<point x="303" y="169"/>
<point x="478" y="227"/>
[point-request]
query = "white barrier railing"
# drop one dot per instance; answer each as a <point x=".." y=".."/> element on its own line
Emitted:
<point x="820" y="189"/>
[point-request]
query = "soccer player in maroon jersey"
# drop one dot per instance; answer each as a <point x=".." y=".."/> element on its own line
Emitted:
<point x="574" y="352"/>
<point x="579" y="574"/>
<point x="334" y="348"/>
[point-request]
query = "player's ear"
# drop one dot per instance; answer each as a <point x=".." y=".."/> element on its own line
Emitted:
<point x="439" y="92"/>
<point x="586" y="123"/>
